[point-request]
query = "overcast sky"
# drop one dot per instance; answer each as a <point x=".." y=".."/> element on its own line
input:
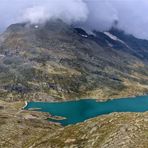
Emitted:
<point x="132" y="15"/>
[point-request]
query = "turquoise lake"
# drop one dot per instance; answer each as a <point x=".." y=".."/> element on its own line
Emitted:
<point x="78" y="111"/>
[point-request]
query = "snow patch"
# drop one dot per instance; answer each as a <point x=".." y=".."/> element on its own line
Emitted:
<point x="36" y="26"/>
<point x="115" y="38"/>
<point x="85" y="36"/>
<point x="2" y="56"/>
<point x="111" y="36"/>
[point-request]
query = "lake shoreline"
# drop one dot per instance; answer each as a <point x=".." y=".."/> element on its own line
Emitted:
<point x="83" y="109"/>
<point x="26" y="104"/>
<point x="97" y="100"/>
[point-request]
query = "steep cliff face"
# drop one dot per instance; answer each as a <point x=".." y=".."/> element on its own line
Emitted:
<point x="58" y="62"/>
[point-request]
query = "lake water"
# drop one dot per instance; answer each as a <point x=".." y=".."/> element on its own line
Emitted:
<point x="78" y="111"/>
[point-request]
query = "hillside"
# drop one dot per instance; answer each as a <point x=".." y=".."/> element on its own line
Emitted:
<point x="28" y="129"/>
<point x="58" y="62"/>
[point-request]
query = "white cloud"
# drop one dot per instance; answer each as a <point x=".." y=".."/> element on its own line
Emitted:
<point x="68" y="10"/>
<point x="93" y="14"/>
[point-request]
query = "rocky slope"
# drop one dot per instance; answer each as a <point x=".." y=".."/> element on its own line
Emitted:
<point x="30" y="129"/>
<point x="124" y="130"/>
<point x="58" y="62"/>
<point x="19" y="128"/>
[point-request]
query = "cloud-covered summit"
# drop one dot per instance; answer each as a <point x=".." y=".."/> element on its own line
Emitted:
<point x="131" y="15"/>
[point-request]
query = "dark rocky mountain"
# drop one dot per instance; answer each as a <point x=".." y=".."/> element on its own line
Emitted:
<point x="55" y="61"/>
